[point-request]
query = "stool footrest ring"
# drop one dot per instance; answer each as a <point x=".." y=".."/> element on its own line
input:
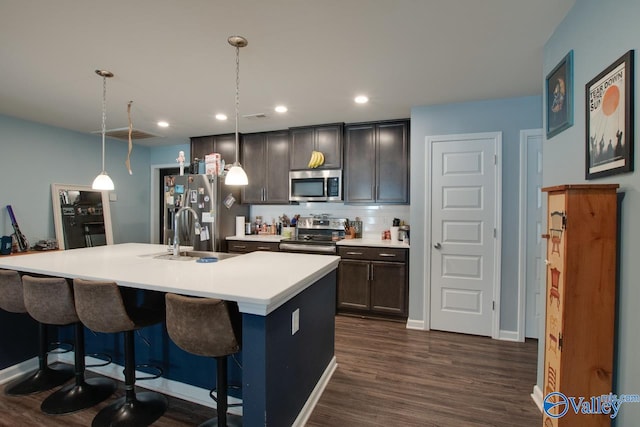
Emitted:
<point x="158" y="373"/>
<point x="60" y="347"/>
<point x="99" y="365"/>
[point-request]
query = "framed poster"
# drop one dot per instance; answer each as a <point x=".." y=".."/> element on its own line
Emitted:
<point x="559" y="90"/>
<point x="609" y="120"/>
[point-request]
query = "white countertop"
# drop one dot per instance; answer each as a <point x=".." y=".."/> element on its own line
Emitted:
<point x="366" y="241"/>
<point x="373" y="242"/>
<point x="259" y="281"/>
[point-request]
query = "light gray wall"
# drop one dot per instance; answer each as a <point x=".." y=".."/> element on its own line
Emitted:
<point x="506" y="115"/>
<point x="599" y="32"/>
<point x="33" y="156"/>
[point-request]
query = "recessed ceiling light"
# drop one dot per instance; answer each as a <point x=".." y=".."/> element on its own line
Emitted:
<point x="281" y="109"/>
<point x="361" y="99"/>
<point x="163" y="124"/>
<point x="221" y="116"/>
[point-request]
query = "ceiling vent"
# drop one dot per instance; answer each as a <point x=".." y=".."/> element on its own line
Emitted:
<point x="255" y="116"/>
<point x="123" y="134"/>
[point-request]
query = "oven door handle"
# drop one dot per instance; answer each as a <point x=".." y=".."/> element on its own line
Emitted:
<point x="294" y="247"/>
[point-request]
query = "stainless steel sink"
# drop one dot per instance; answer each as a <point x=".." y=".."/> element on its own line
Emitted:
<point x="194" y="255"/>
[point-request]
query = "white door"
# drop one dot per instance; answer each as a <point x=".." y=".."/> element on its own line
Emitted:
<point x="532" y="270"/>
<point x="465" y="218"/>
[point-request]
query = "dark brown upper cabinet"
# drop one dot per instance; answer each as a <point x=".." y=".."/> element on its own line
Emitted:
<point x="324" y="138"/>
<point x="224" y="144"/>
<point x="377" y="162"/>
<point x="265" y="159"/>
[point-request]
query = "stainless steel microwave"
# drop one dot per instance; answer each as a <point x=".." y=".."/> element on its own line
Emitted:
<point x="323" y="185"/>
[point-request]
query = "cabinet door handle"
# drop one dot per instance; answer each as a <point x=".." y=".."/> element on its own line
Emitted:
<point x="371" y="268"/>
<point x="264" y="248"/>
<point x="354" y="253"/>
<point x="387" y="255"/>
<point x="239" y="247"/>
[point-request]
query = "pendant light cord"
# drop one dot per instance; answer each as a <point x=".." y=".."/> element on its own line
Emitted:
<point x="237" y="102"/>
<point x="128" y="161"/>
<point x="104" y="116"/>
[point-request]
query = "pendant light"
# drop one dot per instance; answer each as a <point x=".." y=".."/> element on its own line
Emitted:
<point x="236" y="175"/>
<point x="102" y="181"/>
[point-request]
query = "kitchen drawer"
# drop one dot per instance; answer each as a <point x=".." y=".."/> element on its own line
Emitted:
<point x="244" y="247"/>
<point x="373" y="254"/>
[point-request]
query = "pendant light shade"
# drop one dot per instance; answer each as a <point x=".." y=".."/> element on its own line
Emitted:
<point x="236" y="175"/>
<point x="102" y="181"/>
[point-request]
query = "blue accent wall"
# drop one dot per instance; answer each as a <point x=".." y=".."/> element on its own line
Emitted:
<point x="599" y="32"/>
<point x="508" y="116"/>
<point x="34" y="156"/>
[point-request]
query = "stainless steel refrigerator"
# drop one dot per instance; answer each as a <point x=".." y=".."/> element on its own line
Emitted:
<point x="215" y="204"/>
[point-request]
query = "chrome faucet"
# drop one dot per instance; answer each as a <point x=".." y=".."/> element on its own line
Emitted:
<point x="176" y="234"/>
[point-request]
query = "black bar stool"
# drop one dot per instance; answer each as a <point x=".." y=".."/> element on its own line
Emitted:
<point x="102" y="308"/>
<point x="49" y="300"/>
<point x="208" y="327"/>
<point x="45" y="377"/>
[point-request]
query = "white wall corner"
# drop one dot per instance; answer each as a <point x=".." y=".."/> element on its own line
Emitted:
<point x="509" y="336"/>
<point x="417" y="324"/>
<point x="537" y="396"/>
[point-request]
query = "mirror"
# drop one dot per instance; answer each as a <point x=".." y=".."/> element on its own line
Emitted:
<point x="81" y="216"/>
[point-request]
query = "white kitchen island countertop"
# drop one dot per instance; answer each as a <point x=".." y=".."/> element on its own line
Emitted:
<point x="259" y="282"/>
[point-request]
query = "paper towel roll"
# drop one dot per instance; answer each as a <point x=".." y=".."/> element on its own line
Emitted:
<point x="239" y="226"/>
<point x="394" y="234"/>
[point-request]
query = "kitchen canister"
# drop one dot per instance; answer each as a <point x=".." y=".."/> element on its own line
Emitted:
<point x="239" y="226"/>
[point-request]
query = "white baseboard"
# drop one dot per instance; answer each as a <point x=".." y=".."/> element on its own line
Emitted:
<point x="537" y="396"/>
<point x="312" y="401"/>
<point x="10" y="373"/>
<point x="509" y="336"/>
<point x="177" y="389"/>
<point x="173" y="388"/>
<point x="416" y="324"/>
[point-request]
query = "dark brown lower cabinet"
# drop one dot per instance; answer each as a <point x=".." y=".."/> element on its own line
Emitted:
<point x="246" y="246"/>
<point x="369" y="285"/>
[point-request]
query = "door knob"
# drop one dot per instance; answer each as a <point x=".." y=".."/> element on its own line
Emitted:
<point x="437" y="245"/>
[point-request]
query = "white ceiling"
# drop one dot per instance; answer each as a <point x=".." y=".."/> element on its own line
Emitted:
<point x="172" y="59"/>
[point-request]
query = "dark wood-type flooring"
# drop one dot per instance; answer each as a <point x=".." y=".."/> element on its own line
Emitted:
<point x="386" y="376"/>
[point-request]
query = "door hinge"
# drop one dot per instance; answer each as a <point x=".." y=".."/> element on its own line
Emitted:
<point x="495" y="233"/>
<point x="495" y="159"/>
<point x="564" y="221"/>
<point x="560" y="341"/>
<point x="493" y="305"/>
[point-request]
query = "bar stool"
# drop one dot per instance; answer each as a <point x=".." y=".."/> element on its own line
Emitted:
<point x="45" y="377"/>
<point x="49" y="300"/>
<point x="102" y="308"/>
<point x="208" y="327"/>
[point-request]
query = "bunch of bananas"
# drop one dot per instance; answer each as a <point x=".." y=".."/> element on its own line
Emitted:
<point x="317" y="159"/>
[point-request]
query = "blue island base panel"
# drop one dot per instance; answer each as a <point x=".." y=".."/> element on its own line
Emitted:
<point x="280" y="370"/>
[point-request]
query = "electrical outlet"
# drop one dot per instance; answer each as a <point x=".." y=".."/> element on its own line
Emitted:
<point x="295" y="321"/>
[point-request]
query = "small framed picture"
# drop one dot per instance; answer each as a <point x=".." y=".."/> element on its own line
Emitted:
<point x="559" y="91"/>
<point x="609" y="120"/>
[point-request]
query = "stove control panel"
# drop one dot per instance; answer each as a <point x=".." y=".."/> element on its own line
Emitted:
<point x="321" y="223"/>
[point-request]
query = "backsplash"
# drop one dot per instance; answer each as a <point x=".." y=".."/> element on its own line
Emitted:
<point x="375" y="219"/>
